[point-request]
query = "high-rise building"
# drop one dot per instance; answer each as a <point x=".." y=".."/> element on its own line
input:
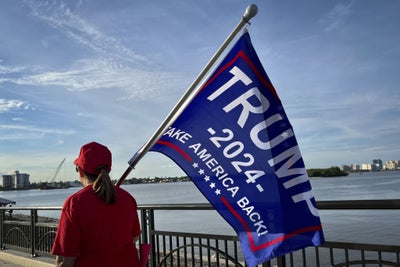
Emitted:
<point x="21" y="180"/>
<point x="8" y="181"/>
<point x="378" y="164"/>
<point x="16" y="180"/>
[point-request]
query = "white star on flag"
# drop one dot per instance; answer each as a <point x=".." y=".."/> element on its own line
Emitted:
<point x="212" y="185"/>
<point x="285" y="134"/>
<point x="201" y="171"/>
<point x="206" y="178"/>
<point x="195" y="165"/>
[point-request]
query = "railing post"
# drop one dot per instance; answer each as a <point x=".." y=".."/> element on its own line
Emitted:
<point x="267" y="264"/>
<point x="144" y="222"/>
<point x="281" y="261"/>
<point x="2" y="219"/>
<point x="151" y="228"/>
<point x="34" y="220"/>
<point x="145" y="229"/>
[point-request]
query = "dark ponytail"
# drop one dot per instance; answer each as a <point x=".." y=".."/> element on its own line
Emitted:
<point x="104" y="187"/>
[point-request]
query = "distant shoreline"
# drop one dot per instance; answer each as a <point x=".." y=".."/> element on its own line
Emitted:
<point x="312" y="173"/>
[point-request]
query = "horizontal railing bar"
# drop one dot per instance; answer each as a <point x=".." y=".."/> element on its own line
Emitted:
<point x="361" y="246"/>
<point x="196" y="235"/>
<point x="29" y="208"/>
<point x="378" y="204"/>
<point x="184" y="206"/>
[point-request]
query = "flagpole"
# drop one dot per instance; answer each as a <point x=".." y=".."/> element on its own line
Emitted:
<point x="191" y="92"/>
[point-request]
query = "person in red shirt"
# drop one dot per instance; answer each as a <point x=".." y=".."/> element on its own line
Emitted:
<point x="99" y="224"/>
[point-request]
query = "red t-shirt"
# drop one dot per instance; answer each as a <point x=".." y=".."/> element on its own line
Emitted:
<point x="96" y="233"/>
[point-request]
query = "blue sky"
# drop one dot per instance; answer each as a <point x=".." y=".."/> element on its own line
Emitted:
<point x="72" y="72"/>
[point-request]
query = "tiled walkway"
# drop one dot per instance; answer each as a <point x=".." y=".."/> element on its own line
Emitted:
<point x="8" y="264"/>
<point x="19" y="259"/>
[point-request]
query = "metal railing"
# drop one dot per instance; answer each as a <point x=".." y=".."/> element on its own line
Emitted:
<point x="31" y="234"/>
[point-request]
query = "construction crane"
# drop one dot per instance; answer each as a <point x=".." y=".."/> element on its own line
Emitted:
<point x="56" y="172"/>
<point x="50" y="184"/>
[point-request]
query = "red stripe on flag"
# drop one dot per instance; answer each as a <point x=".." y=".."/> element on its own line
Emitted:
<point x="272" y="242"/>
<point x="242" y="55"/>
<point x="176" y="148"/>
<point x="290" y="235"/>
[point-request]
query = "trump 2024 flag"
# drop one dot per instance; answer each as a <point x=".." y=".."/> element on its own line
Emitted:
<point x="235" y="142"/>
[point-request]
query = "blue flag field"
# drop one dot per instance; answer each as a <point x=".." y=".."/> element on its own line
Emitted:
<point x="237" y="145"/>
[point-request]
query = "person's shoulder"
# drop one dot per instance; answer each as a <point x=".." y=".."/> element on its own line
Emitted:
<point x="79" y="194"/>
<point x="122" y="193"/>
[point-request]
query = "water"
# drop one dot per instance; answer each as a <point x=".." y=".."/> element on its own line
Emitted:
<point x="369" y="226"/>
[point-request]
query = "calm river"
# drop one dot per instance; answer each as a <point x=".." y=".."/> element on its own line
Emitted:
<point x="380" y="227"/>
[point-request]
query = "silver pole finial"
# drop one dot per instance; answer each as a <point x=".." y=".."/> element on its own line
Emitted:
<point x="250" y="12"/>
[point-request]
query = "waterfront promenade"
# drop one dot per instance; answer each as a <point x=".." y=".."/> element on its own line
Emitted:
<point x="10" y="258"/>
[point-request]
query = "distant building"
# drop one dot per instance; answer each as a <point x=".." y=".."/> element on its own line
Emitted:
<point x="391" y="165"/>
<point x="8" y="181"/>
<point x="21" y="180"/>
<point x="355" y="167"/>
<point x="16" y="180"/>
<point x="377" y="164"/>
<point x="366" y="167"/>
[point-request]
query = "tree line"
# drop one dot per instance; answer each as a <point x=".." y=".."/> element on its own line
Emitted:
<point x="327" y="172"/>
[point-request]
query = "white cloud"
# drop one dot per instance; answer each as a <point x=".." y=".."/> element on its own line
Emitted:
<point x="10" y="69"/>
<point x="17" y="119"/>
<point x="336" y="16"/>
<point x="7" y="105"/>
<point x="86" y="115"/>
<point x="92" y="74"/>
<point x="61" y="17"/>
<point x="22" y="132"/>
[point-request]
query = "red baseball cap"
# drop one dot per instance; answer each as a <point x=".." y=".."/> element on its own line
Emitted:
<point x="92" y="156"/>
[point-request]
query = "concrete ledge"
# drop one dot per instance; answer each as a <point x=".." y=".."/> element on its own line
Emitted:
<point x="11" y="258"/>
